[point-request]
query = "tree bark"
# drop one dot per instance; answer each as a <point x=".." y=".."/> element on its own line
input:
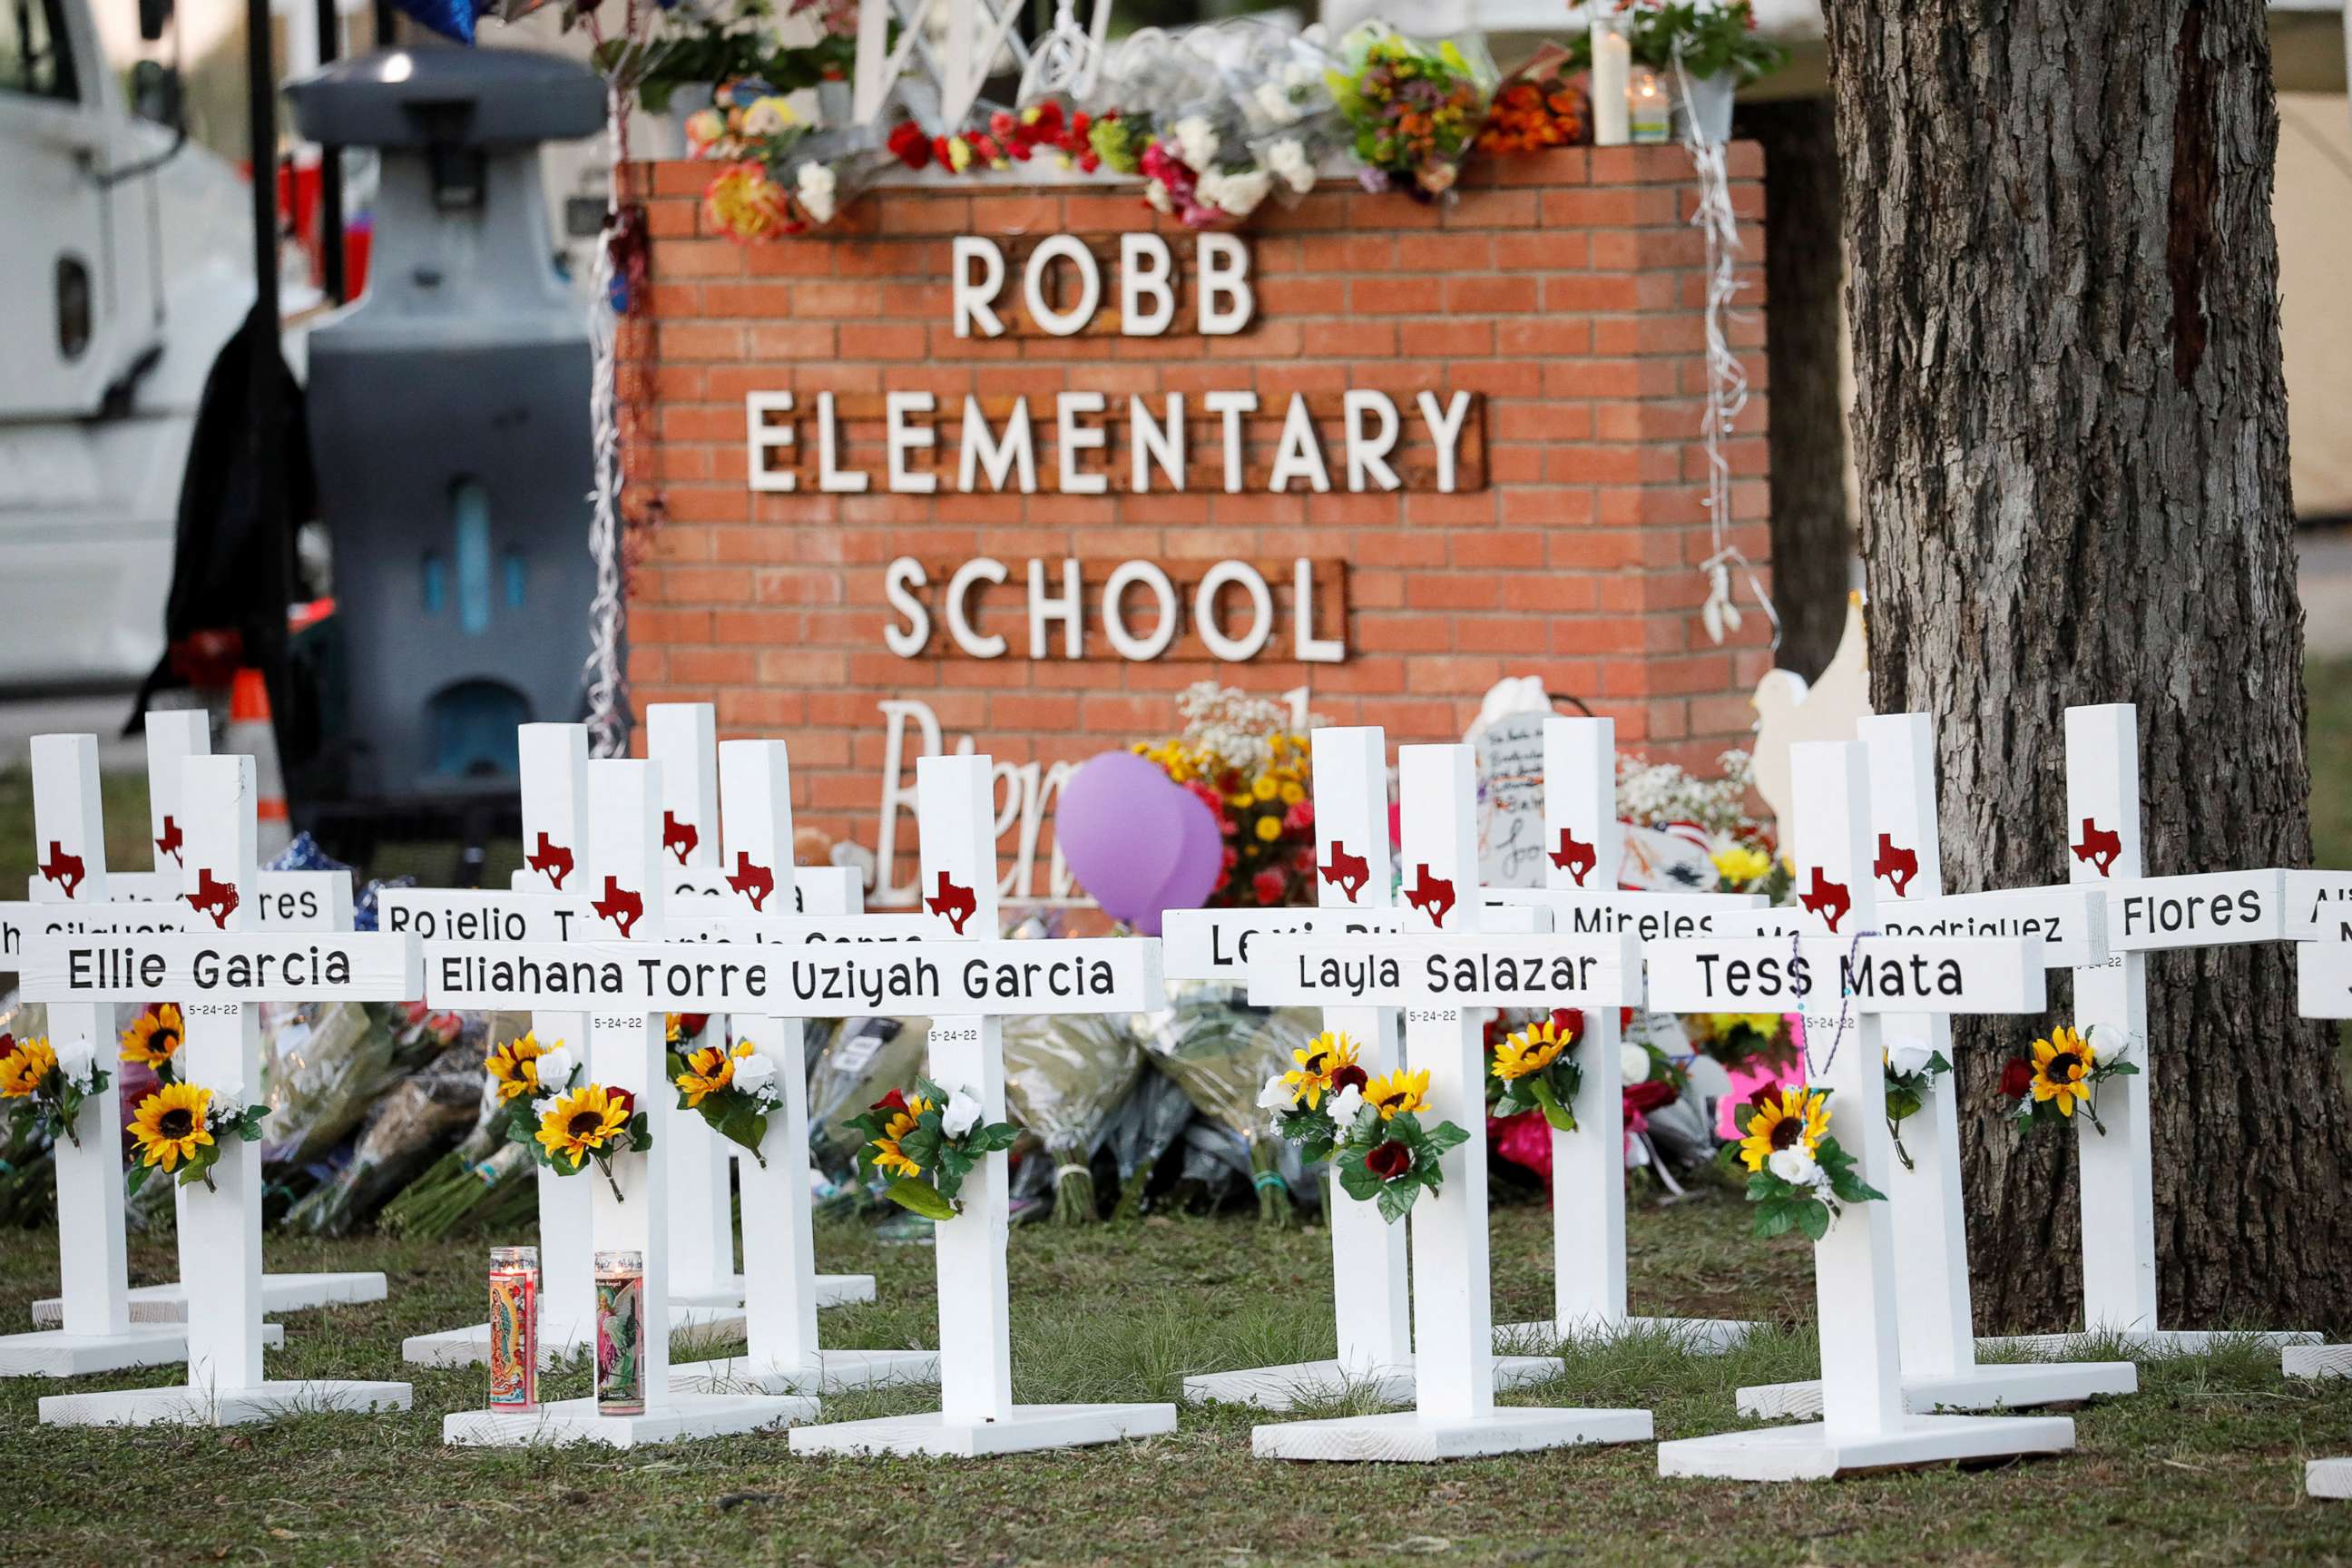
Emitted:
<point x="1812" y="536"/>
<point x="2070" y="431"/>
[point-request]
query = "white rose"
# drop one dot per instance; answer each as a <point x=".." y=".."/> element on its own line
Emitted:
<point x="1904" y="1057"/>
<point x="2108" y="1042"/>
<point x="1273" y="105"/>
<point x="1238" y="193"/>
<point x="1345" y="1104"/>
<point x="1634" y="1064"/>
<point x="1290" y="161"/>
<point x="817" y="190"/>
<point x="556" y="1068"/>
<point x="754" y="1072"/>
<point x="962" y="1115"/>
<point x="1794" y="1166"/>
<point x="1196" y="140"/>
<point x="1275" y="1096"/>
<point x="1156" y="193"/>
<point x="74" y="1059"/>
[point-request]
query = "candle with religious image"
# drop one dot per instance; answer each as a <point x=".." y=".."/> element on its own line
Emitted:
<point x="1613" y="68"/>
<point x="514" y="1328"/>
<point x="620" y="1322"/>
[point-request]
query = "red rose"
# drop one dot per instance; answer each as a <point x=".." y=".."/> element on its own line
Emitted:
<point x="1267" y="885"/>
<point x="1624" y="1018"/>
<point x="1650" y="1094"/>
<point x="892" y="1101"/>
<point x="1388" y="1161"/>
<point x="1350" y="1077"/>
<point x="2017" y="1078"/>
<point x="910" y="146"/>
<point x="623" y="1098"/>
<point x="692" y="1024"/>
<point x="1569" y="1021"/>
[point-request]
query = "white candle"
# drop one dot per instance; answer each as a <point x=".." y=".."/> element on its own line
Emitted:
<point x="1652" y="115"/>
<point x="1613" y="71"/>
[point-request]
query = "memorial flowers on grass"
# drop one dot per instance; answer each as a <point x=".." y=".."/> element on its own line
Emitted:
<point x="926" y="1143"/>
<point x="1798" y="1176"/>
<point x="734" y="1091"/>
<point x="1911" y="1069"/>
<point x="45" y="1095"/>
<point x="1535" y="1069"/>
<point x="155" y="1038"/>
<point x="2058" y="1075"/>
<point x="181" y="1128"/>
<point x="1240" y="756"/>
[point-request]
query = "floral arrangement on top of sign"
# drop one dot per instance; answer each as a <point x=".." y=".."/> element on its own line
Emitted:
<point x="1711" y="37"/>
<point x="1368" y="1128"/>
<point x="564" y="1124"/>
<point x="1244" y="758"/>
<point x="48" y="1090"/>
<point x="925" y="1144"/>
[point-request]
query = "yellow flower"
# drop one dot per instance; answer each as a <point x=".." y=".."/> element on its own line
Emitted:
<point x="1766" y="1025"/>
<point x="154" y="1037"/>
<point x="743" y="202"/>
<point x="888" y="1155"/>
<point x="2062" y="1069"/>
<point x="1263" y="787"/>
<point x="708" y="1070"/>
<point x="1740" y="864"/>
<point x="1292" y="793"/>
<point x="1327" y="1066"/>
<point x="22" y="1069"/>
<point x="1530" y="1050"/>
<point x="1398" y="1092"/>
<point x="514" y="1067"/>
<point x="1799" y="1118"/>
<point x="170" y="1124"/>
<point x="583" y="1121"/>
<point x="1268" y="829"/>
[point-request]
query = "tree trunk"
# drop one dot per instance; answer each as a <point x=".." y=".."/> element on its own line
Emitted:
<point x="1812" y="537"/>
<point x="2070" y="431"/>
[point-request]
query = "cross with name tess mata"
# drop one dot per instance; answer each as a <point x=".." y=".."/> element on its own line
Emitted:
<point x="221" y="971"/>
<point x="1436" y="967"/>
<point x="1864" y="1425"/>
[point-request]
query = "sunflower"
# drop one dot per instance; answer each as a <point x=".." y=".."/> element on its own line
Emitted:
<point x="170" y="1124"/>
<point x="22" y="1069"/>
<point x="583" y="1122"/>
<point x="156" y="1036"/>
<point x="888" y="1155"/>
<point x="708" y="1070"/>
<point x="514" y="1067"/>
<point x="1798" y="1119"/>
<point x="1530" y="1050"/>
<point x="1329" y="1058"/>
<point x="2061" y="1069"/>
<point x="1398" y="1092"/>
<point x="1741" y="863"/>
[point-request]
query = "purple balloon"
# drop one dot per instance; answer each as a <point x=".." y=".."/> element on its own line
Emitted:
<point x="1195" y="876"/>
<point x="1122" y="828"/>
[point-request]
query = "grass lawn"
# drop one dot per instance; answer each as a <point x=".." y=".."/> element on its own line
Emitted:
<point x="2204" y="1464"/>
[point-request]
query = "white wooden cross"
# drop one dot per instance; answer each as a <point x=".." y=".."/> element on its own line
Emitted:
<point x="1439" y="965"/>
<point x="2117" y="1171"/>
<point x="1864" y="1425"/>
<point x="2324" y="990"/>
<point x="1584" y="845"/>
<point x="2065" y="927"/>
<point x="781" y="1290"/>
<point x="625" y="1050"/>
<point x="974" y="31"/>
<point x="220" y="970"/>
<point x="99" y="1330"/>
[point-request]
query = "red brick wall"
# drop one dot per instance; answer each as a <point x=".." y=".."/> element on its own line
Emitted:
<point x="1567" y="288"/>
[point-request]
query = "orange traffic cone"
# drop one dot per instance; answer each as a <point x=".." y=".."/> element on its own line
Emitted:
<point x="250" y="734"/>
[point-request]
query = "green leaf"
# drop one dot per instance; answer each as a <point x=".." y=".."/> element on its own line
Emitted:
<point x="1356" y="1180"/>
<point x="1773" y="1219"/>
<point x="134" y="1179"/>
<point x="1396" y="1198"/>
<point x="992" y="1137"/>
<point x="921" y="1198"/>
<point x="743" y="1124"/>
<point x="1813" y="1218"/>
<point x="1439" y="1139"/>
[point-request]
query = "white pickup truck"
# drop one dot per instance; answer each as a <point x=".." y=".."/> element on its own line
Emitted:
<point x="125" y="263"/>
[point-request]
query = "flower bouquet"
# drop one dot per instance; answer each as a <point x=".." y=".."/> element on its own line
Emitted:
<point x="184" y="1125"/>
<point x="1281" y="82"/>
<point x="782" y="176"/>
<point x="1736" y="1039"/>
<point x="1533" y="1068"/>
<point x="734" y="1091"/>
<point x="1220" y="1050"/>
<point x="565" y="1125"/>
<point x="2057" y="1074"/>
<point x="1796" y="1174"/>
<point x="1198" y="167"/>
<point x="1307" y="1098"/>
<point x="1539" y="106"/>
<point x="1051" y="130"/>
<point x="48" y="1093"/>
<point x="1370" y="1128"/>
<point x="1911" y="1069"/>
<point x="155" y="1038"/>
<point x="925" y="1144"/>
<point x="1064" y="1076"/>
<point x="1241" y="756"/>
<point x="1416" y="107"/>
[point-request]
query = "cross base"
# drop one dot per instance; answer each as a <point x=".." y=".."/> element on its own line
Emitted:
<point x="1318" y="1382"/>
<point x="831" y="1371"/>
<point x="2148" y="1341"/>
<point x="470" y="1346"/>
<point x="1693" y="1336"/>
<point x="1808" y="1453"/>
<point x="565" y="1421"/>
<point x="1407" y="1436"/>
<point x="832" y="1290"/>
<point x="1983" y="1388"/>
<point x="1027" y="1428"/>
<point x="279" y="1293"/>
<point x="52" y="1353"/>
<point x="2328" y="1478"/>
<point x="2307" y="1361"/>
<point x="184" y="1407"/>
